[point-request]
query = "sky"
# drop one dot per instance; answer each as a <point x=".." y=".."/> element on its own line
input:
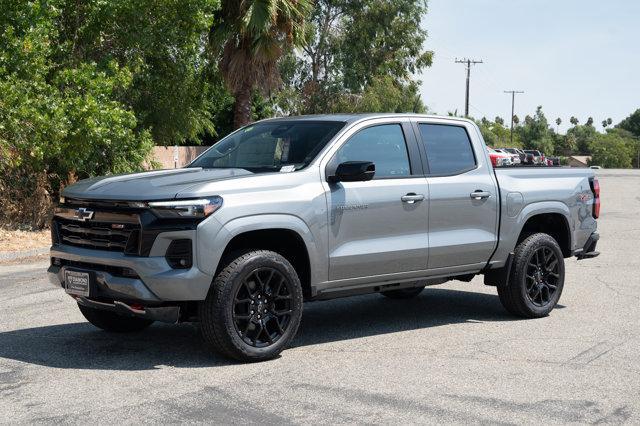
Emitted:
<point x="573" y="57"/>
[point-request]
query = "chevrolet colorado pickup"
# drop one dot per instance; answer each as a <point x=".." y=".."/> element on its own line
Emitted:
<point x="309" y="208"/>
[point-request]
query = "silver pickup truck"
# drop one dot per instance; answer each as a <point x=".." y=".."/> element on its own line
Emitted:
<point x="309" y="208"/>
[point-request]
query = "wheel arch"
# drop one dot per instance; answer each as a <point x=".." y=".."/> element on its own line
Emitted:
<point x="552" y="220"/>
<point x="284" y="234"/>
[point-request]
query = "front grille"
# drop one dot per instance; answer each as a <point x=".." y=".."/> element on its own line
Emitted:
<point x="110" y="236"/>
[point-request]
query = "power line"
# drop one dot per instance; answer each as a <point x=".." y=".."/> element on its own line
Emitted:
<point x="513" y="101"/>
<point x="468" y="63"/>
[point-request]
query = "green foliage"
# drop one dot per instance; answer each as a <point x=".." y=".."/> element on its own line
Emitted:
<point x="631" y="123"/>
<point x="352" y="53"/>
<point x="496" y="135"/>
<point x="611" y="150"/>
<point x="535" y="133"/>
<point x="249" y="40"/>
<point x="583" y="137"/>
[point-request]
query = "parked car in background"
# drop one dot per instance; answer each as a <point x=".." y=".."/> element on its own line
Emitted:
<point x="534" y="157"/>
<point x="499" y="159"/>
<point x="555" y="161"/>
<point x="517" y="151"/>
<point x="515" y="157"/>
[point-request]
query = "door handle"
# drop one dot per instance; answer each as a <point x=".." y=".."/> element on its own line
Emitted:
<point x="412" y="197"/>
<point x="479" y="195"/>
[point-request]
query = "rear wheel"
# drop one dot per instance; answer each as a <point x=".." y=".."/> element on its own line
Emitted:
<point x="110" y="321"/>
<point x="403" y="293"/>
<point x="253" y="309"/>
<point x="536" y="279"/>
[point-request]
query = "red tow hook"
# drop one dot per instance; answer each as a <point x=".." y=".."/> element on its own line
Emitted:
<point x="136" y="306"/>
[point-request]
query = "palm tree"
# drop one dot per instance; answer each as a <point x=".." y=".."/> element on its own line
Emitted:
<point x="249" y="39"/>
<point x="558" y="123"/>
<point x="573" y="120"/>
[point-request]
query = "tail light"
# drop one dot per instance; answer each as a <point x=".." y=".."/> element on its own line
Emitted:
<point x="595" y="188"/>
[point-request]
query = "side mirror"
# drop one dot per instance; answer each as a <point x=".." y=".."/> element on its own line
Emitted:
<point x="354" y="171"/>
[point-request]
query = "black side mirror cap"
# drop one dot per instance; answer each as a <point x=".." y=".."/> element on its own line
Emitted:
<point x="354" y="171"/>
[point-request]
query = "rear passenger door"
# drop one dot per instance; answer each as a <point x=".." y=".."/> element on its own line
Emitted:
<point x="463" y="198"/>
<point x="378" y="227"/>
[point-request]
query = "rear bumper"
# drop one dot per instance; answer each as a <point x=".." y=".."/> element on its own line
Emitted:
<point x="589" y="249"/>
<point x="156" y="281"/>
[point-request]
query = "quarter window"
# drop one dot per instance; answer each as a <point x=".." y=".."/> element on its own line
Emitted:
<point x="383" y="145"/>
<point x="448" y="149"/>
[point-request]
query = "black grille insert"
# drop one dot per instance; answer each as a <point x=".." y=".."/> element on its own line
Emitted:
<point x="119" y="237"/>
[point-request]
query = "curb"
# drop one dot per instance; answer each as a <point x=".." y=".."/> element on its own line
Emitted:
<point x="13" y="255"/>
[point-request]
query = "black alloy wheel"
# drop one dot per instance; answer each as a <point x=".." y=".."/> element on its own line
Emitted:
<point x="542" y="276"/>
<point x="262" y="307"/>
<point x="253" y="308"/>
<point x="536" y="277"/>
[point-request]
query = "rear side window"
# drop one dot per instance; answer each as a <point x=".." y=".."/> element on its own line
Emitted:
<point x="449" y="150"/>
<point x="384" y="145"/>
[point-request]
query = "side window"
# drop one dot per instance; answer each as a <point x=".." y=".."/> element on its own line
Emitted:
<point x="448" y="149"/>
<point x="384" y="145"/>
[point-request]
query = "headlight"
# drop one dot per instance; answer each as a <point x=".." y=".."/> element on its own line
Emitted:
<point x="188" y="209"/>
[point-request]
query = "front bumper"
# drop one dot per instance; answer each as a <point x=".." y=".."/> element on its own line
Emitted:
<point x="170" y="314"/>
<point x="156" y="281"/>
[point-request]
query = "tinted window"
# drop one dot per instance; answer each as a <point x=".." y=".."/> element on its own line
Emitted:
<point x="448" y="149"/>
<point x="270" y="146"/>
<point x="384" y="145"/>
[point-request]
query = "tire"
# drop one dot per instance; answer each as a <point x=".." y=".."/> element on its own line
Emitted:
<point x="236" y="321"/>
<point x="536" y="279"/>
<point x="403" y="293"/>
<point x="110" y="321"/>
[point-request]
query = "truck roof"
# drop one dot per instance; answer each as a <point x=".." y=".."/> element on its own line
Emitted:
<point x="352" y="118"/>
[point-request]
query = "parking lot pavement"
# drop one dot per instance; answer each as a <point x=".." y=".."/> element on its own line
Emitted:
<point x="451" y="355"/>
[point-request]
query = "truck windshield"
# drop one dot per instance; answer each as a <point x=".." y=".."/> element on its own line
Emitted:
<point x="270" y="146"/>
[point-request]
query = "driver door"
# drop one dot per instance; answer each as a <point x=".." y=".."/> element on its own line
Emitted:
<point x="379" y="227"/>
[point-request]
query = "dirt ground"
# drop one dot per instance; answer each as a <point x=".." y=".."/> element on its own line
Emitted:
<point x="21" y="240"/>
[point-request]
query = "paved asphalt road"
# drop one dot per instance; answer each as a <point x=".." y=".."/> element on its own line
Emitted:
<point x="451" y="355"/>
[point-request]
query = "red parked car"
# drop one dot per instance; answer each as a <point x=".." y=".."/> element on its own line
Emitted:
<point x="499" y="159"/>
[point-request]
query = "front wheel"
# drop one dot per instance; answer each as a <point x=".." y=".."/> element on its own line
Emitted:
<point x="536" y="279"/>
<point x="253" y="309"/>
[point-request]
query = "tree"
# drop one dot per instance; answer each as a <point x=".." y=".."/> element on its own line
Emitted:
<point x="383" y="94"/>
<point x="631" y="123"/>
<point x="350" y="48"/>
<point x="536" y="134"/>
<point x="250" y="38"/>
<point x="589" y="121"/>
<point x="499" y="120"/>
<point x="584" y="136"/>
<point x="516" y="120"/>
<point x="611" y="150"/>
<point x="573" y="120"/>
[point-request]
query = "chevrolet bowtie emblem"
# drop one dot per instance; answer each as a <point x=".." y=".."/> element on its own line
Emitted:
<point x="82" y="214"/>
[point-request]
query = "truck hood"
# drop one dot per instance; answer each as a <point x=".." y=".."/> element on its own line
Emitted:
<point x="147" y="186"/>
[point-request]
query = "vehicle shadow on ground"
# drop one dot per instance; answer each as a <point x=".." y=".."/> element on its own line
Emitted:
<point x="82" y="346"/>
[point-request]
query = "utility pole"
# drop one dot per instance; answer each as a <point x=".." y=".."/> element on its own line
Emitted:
<point x="513" y="101"/>
<point x="468" y="63"/>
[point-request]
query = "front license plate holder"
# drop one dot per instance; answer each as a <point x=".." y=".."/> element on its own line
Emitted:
<point x="78" y="283"/>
